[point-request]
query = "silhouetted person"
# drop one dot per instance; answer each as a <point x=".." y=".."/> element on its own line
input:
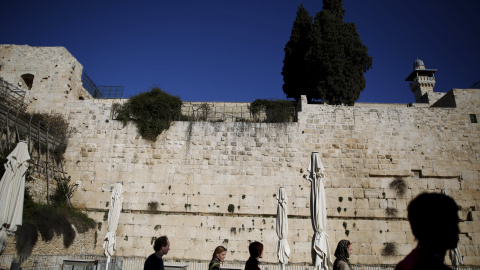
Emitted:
<point x="434" y="221"/>
<point x="155" y="261"/>
<point x="256" y="252"/>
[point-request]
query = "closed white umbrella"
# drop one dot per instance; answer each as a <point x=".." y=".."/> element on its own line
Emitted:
<point x="283" y="250"/>
<point x="12" y="190"/>
<point x="456" y="257"/>
<point x="110" y="242"/>
<point x="321" y="256"/>
<point x="454" y="254"/>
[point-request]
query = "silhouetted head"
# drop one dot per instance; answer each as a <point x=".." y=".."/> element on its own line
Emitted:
<point x="255" y="249"/>
<point x="434" y="220"/>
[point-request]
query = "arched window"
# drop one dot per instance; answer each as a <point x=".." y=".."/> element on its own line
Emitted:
<point x="28" y="80"/>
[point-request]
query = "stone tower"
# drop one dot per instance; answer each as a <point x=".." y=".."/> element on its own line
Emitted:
<point x="421" y="81"/>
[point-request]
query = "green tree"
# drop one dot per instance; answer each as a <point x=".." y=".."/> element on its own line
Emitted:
<point x="336" y="59"/>
<point x="297" y="75"/>
<point x="339" y="55"/>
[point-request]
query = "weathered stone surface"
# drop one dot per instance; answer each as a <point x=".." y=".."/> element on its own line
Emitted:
<point x="195" y="170"/>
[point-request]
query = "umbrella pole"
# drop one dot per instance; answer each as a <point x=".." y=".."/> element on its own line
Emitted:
<point x="108" y="261"/>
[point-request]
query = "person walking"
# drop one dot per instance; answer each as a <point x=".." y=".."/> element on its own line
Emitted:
<point x="342" y="253"/>
<point x="155" y="261"/>
<point x="218" y="257"/>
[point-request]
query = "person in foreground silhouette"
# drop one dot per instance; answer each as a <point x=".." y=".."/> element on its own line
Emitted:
<point x="434" y="221"/>
<point x="256" y="252"/>
<point x="155" y="261"/>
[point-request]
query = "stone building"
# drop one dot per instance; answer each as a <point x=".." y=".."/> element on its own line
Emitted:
<point x="377" y="157"/>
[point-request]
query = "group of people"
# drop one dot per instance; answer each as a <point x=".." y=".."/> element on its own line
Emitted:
<point x="433" y="219"/>
<point x="162" y="246"/>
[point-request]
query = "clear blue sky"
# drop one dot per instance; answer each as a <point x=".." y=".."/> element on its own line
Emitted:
<point x="232" y="50"/>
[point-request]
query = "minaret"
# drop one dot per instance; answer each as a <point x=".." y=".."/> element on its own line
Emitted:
<point x="421" y="81"/>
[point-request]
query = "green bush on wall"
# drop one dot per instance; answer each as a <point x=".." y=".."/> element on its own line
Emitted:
<point x="277" y="111"/>
<point x="152" y="112"/>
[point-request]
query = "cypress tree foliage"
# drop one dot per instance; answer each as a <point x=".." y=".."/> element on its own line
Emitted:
<point x="326" y="60"/>
<point x="297" y="75"/>
<point x="339" y="55"/>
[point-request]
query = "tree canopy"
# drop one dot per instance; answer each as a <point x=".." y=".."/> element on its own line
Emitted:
<point x="325" y="58"/>
<point x="297" y="76"/>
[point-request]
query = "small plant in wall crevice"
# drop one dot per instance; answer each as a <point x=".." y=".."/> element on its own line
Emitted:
<point x="399" y="186"/>
<point x="389" y="249"/>
<point x="391" y="212"/>
<point x="152" y="206"/>
<point x="152" y="240"/>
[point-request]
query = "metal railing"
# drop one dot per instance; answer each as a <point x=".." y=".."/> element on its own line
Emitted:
<point x="475" y="85"/>
<point x="47" y="262"/>
<point x="44" y="145"/>
<point x="101" y="91"/>
<point x="12" y="95"/>
<point x="233" y="114"/>
<point x="111" y="92"/>
<point x="54" y="262"/>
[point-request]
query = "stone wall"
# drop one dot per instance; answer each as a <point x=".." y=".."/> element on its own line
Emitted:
<point x="38" y="188"/>
<point x="182" y="184"/>
<point x="196" y="169"/>
<point x="57" y="74"/>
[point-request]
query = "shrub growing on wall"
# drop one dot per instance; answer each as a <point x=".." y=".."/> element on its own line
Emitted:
<point x="152" y="112"/>
<point x="389" y="249"/>
<point x="64" y="191"/>
<point x="57" y="126"/>
<point x="276" y="111"/>
<point x="399" y="186"/>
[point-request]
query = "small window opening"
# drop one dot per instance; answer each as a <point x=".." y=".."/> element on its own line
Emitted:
<point x="28" y="80"/>
<point x="473" y="118"/>
<point x="81" y="98"/>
